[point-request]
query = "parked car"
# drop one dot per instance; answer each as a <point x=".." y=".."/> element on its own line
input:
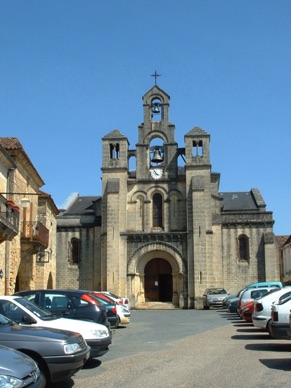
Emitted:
<point x="213" y="297"/>
<point x="118" y="299"/>
<point x="232" y="305"/>
<point x="279" y="324"/>
<point x="262" y="306"/>
<point x="246" y="311"/>
<point x="26" y="313"/>
<point x="265" y="284"/>
<point x="18" y="370"/>
<point x="74" y="304"/>
<point x="122" y="312"/>
<point x="111" y="311"/>
<point x="250" y="294"/>
<point x="228" y="300"/>
<point x="59" y="354"/>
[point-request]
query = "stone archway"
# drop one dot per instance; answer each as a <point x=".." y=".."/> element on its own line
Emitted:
<point x="158" y="281"/>
<point x="171" y="278"/>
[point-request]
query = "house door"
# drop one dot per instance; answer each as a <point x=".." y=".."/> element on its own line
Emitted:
<point x="158" y="281"/>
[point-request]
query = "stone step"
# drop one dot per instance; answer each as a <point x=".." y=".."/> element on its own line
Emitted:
<point x="156" y="306"/>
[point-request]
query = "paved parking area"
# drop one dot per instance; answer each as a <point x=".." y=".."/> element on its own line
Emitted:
<point x="189" y="348"/>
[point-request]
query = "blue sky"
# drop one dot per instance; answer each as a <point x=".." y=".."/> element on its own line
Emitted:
<point x="72" y="71"/>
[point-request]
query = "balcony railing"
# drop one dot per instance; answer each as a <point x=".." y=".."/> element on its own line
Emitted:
<point x="35" y="231"/>
<point x="9" y="219"/>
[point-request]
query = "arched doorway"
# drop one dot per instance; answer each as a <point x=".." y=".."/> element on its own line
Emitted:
<point x="158" y="281"/>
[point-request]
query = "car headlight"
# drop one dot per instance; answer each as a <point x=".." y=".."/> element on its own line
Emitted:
<point x="72" y="348"/>
<point x="103" y="333"/>
<point x="10" y="381"/>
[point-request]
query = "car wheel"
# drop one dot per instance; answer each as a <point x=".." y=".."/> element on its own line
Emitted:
<point x="206" y="307"/>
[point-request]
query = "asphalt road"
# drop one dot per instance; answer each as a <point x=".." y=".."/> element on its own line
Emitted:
<point x="188" y="348"/>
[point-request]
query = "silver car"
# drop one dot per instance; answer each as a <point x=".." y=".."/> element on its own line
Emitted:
<point x="213" y="297"/>
<point x="19" y="370"/>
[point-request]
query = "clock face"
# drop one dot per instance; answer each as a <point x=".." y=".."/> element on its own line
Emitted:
<point x="156" y="173"/>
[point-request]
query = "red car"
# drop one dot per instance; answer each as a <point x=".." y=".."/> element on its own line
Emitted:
<point x="246" y="311"/>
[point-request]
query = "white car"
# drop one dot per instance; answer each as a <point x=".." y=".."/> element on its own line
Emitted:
<point x="262" y="307"/>
<point x="122" y="312"/>
<point x="118" y="299"/>
<point x="24" y="312"/>
<point x="280" y="315"/>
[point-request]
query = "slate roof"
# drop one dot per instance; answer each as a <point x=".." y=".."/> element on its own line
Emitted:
<point x="82" y="205"/>
<point x="233" y="201"/>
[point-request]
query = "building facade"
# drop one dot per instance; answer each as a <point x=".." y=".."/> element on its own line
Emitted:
<point x="27" y="223"/>
<point x="162" y="231"/>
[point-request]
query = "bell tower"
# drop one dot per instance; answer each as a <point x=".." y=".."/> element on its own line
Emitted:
<point x="156" y="150"/>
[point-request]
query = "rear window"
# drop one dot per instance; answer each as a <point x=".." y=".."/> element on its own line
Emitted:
<point x="258" y="293"/>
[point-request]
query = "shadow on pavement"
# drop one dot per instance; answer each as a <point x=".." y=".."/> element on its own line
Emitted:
<point x="280" y="364"/>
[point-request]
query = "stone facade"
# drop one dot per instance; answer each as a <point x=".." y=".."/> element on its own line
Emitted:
<point x="28" y="257"/>
<point x="163" y="231"/>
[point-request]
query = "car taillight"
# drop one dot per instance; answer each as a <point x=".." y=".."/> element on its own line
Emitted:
<point x="114" y="310"/>
<point x="120" y="301"/>
<point x="259" y="307"/>
<point x="274" y="316"/>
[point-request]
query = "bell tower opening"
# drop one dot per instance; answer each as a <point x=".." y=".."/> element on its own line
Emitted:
<point x="158" y="281"/>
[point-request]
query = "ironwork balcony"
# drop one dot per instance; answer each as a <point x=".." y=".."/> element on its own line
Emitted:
<point x="9" y="219"/>
<point x="35" y="232"/>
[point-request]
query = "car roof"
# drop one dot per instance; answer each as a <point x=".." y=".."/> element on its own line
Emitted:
<point x="52" y="291"/>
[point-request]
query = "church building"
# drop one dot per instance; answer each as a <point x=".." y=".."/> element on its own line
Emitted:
<point x="163" y="231"/>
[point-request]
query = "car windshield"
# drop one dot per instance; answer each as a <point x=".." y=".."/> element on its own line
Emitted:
<point x="39" y="312"/>
<point x="216" y="291"/>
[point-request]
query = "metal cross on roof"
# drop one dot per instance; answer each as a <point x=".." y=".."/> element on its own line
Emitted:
<point x="156" y="75"/>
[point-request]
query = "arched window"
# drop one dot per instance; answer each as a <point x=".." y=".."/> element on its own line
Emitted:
<point x="157" y="211"/>
<point x="243" y="248"/>
<point x="75" y="250"/>
<point x="114" y="151"/>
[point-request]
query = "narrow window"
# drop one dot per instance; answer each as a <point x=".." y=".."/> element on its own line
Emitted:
<point x="243" y="245"/>
<point x="76" y="250"/>
<point x="157" y="211"/>
<point x="114" y="151"/>
<point x="198" y="148"/>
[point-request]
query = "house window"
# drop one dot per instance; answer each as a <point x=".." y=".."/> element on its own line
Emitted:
<point x="243" y="247"/>
<point x="157" y="211"/>
<point x="75" y="250"/>
<point x="114" y="151"/>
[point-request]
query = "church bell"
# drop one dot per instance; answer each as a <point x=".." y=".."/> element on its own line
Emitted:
<point x="157" y="157"/>
<point x="156" y="108"/>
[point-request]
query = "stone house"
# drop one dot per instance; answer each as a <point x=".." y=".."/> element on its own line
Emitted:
<point x="285" y="258"/>
<point x="27" y="223"/>
<point x="162" y="230"/>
